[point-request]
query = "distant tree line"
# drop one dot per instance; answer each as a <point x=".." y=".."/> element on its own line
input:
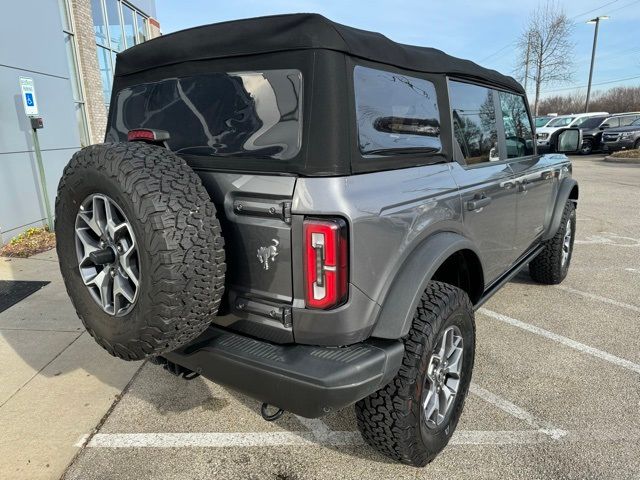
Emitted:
<point x="614" y="100"/>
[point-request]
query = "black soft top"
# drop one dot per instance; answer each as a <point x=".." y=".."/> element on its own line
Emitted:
<point x="298" y="31"/>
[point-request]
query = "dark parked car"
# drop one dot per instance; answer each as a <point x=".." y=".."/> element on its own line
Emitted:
<point x="622" y="138"/>
<point x="311" y="213"/>
<point x="594" y="128"/>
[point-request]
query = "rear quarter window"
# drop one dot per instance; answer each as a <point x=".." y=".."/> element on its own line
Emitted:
<point x="395" y="113"/>
<point x="239" y="114"/>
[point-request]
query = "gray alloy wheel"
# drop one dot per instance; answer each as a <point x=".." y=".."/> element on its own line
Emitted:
<point x="566" y="243"/>
<point x="442" y="381"/>
<point x="107" y="254"/>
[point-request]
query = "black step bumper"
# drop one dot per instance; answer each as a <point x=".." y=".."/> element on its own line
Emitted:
<point x="305" y="380"/>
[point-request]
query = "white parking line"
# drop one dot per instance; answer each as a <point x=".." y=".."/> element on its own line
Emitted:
<point x="599" y="298"/>
<point x="621" y="362"/>
<point x="517" y="412"/>
<point x="339" y="438"/>
<point x="296" y="439"/>
<point x="210" y="439"/>
<point x="319" y="429"/>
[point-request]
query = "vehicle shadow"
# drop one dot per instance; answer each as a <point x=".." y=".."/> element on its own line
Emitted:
<point x="523" y="278"/>
<point x="345" y="418"/>
<point x="42" y="334"/>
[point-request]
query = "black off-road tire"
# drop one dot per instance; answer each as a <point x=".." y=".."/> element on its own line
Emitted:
<point x="586" y="148"/>
<point x="547" y="267"/>
<point x="181" y="249"/>
<point x="391" y="420"/>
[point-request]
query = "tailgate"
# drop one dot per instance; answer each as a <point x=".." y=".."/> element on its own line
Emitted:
<point x="255" y="215"/>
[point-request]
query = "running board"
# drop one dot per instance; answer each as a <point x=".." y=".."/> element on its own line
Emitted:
<point x="499" y="283"/>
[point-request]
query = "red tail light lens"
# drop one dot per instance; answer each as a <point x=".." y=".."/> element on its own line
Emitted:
<point x="326" y="263"/>
<point x="147" y="135"/>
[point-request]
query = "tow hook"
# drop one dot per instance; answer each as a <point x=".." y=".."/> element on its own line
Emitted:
<point x="270" y="417"/>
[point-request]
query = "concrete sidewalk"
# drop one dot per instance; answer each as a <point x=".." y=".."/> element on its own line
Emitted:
<point x="56" y="384"/>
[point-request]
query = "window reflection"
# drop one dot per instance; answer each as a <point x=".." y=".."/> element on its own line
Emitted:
<point x="99" y="24"/>
<point x="474" y="122"/>
<point x="395" y="113"/>
<point x="115" y="28"/>
<point x="128" y="22"/>
<point x="247" y="114"/>
<point x="517" y="126"/>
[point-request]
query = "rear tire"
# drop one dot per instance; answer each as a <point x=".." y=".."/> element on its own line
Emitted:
<point x="172" y="222"/>
<point x="552" y="264"/>
<point x="394" y="420"/>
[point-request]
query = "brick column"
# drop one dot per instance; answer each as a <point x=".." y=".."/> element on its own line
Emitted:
<point x="154" y="28"/>
<point x="89" y="69"/>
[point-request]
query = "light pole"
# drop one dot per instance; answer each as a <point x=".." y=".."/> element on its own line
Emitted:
<point x="593" y="55"/>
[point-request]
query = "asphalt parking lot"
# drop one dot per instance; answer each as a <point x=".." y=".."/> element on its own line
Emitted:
<point x="555" y="392"/>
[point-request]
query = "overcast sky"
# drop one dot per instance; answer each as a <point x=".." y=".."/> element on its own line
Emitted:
<point x="480" y="30"/>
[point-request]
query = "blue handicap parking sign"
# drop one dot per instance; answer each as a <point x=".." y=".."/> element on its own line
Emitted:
<point x="29" y="98"/>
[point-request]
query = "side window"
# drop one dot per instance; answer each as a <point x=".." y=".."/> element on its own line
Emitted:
<point x="396" y="114"/>
<point x="474" y="122"/>
<point x="517" y="126"/>
<point x="614" y="122"/>
<point x="627" y="120"/>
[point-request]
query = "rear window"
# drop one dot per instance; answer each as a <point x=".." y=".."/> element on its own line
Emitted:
<point x="243" y="114"/>
<point x="396" y="114"/>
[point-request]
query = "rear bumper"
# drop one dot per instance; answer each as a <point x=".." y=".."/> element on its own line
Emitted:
<point x="306" y="380"/>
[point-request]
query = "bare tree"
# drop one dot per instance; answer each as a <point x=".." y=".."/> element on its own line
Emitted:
<point x="614" y="100"/>
<point x="546" y="50"/>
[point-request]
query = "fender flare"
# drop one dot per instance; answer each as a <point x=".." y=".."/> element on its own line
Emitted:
<point x="402" y="297"/>
<point x="564" y="192"/>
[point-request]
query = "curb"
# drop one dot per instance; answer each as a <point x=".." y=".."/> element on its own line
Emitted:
<point x="632" y="161"/>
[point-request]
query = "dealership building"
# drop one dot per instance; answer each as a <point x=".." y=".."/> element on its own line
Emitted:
<point x="56" y="63"/>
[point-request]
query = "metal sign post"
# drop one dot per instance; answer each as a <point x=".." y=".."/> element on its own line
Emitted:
<point x="30" y="104"/>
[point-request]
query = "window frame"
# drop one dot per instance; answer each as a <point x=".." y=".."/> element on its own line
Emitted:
<point x="502" y="143"/>
<point x="79" y="97"/>
<point x="373" y="163"/>
<point x="112" y="52"/>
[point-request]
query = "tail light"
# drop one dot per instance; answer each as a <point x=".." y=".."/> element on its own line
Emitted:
<point x="325" y="263"/>
<point x="147" y="135"/>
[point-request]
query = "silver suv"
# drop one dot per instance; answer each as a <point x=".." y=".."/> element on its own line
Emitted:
<point x="311" y="214"/>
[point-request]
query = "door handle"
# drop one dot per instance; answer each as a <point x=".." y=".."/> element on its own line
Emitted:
<point x="478" y="202"/>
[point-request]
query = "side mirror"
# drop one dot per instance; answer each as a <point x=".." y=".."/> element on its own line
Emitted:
<point x="566" y="140"/>
<point x="604" y="126"/>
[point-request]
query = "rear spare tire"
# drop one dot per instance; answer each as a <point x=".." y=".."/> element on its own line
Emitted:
<point x="140" y="248"/>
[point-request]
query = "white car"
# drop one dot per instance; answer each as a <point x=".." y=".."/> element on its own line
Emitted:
<point x="574" y="120"/>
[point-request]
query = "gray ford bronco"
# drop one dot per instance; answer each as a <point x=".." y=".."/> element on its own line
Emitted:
<point x="310" y="214"/>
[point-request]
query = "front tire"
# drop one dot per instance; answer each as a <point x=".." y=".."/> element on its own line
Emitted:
<point x="587" y="147"/>
<point x="399" y="420"/>
<point x="552" y="264"/>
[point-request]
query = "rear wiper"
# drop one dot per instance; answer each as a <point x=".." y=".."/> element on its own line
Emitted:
<point x="401" y="151"/>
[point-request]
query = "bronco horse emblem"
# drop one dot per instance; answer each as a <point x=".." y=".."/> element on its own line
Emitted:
<point x="268" y="253"/>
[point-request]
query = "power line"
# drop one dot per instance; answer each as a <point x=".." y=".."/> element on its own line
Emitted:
<point x="512" y="45"/>
<point x="593" y="84"/>
<point x="624" y="6"/>
<point x="598" y="8"/>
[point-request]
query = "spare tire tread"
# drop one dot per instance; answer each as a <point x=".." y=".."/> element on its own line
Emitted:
<point x="182" y="232"/>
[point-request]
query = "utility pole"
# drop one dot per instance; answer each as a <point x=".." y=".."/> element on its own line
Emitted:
<point x="526" y="62"/>
<point x="593" y="56"/>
